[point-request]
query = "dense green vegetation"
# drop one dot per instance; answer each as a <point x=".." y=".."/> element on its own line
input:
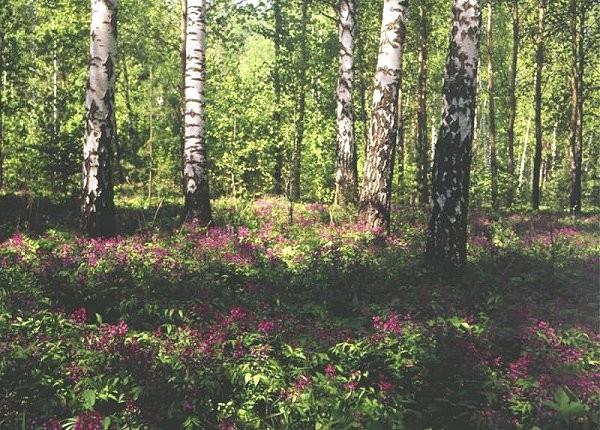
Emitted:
<point x="265" y="324"/>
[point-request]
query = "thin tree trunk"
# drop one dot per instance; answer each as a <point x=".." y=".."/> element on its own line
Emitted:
<point x="98" y="210"/>
<point x="401" y="136"/>
<point x="539" y="63"/>
<point x="580" y="98"/>
<point x="182" y="66"/>
<point x="278" y="187"/>
<point x="1" y="111"/>
<point x="524" y="156"/>
<point x="512" y="92"/>
<point x="54" y="95"/>
<point x="447" y="238"/>
<point x="360" y="72"/>
<point x="492" y="109"/>
<point x="346" y="176"/>
<point x="576" y="135"/>
<point x="299" y="138"/>
<point x="478" y="115"/>
<point x="195" y="173"/>
<point x="54" y="103"/>
<point x="422" y="141"/>
<point x="131" y="122"/>
<point x="377" y="181"/>
<point x="553" y="146"/>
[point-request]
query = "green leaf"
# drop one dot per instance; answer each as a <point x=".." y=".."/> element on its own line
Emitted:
<point x="106" y="423"/>
<point x="89" y="399"/>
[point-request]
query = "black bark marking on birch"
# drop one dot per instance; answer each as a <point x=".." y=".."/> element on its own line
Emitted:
<point x="447" y="237"/>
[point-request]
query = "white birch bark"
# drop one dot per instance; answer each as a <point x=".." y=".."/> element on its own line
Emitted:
<point x="346" y="173"/>
<point x="447" y="237"/>
<point x="195" y="165"/>
<point x="97" y="189"/>
<point x="376" y="190"/>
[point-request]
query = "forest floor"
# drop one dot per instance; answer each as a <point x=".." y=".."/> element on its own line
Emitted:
<point x="259" y="322"/>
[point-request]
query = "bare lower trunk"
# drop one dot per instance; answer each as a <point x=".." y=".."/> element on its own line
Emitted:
<point x="447" y="238"/>
<point x="195" y="172"/>
<point x="98" y="211"/>
<point x="539" y="63"/>
<point x="422" y="141"/>
<point x="294" y="193"/>
<point x="492" y="110"/>
<point x="377" y="182"/>
<point x="346" y="176"/>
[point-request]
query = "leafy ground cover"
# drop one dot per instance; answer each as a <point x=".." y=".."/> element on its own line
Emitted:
<point x="259" y="323"/>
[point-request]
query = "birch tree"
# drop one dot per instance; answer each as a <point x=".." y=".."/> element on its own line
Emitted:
<point x="376" y="193"/>
<point x="346" y="176"/>
<point x="447" y="238"/>
<point x="195" y="160"/>
<point x="98" y="210"/>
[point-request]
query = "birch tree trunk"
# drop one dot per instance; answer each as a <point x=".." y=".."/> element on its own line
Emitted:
<point x="492" y="108"/>
<point x="195" y="170"/>
<point x="539" y="64"/>
<point x="294" y="193"/>
<point x="346" y="176"/>
<point x="98" y="210"/>
<point x="447" y="238"/>
<point x="278" y="187"/>
<point x="422" y="141"/>
<point x="376" y="191"/>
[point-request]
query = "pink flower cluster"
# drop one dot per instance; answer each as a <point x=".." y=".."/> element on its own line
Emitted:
<point x="89" y="421"/>
<point x="391" y="324"/>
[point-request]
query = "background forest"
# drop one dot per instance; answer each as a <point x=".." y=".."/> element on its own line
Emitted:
<point x="44" y="67"/>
